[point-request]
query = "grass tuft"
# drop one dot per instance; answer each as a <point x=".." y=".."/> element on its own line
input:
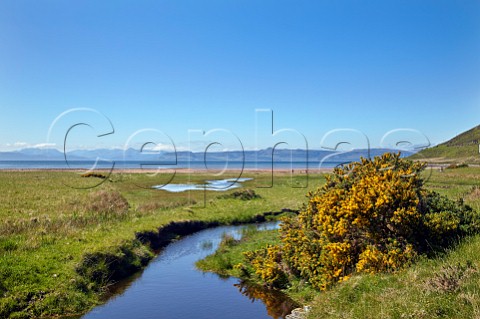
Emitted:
<point x="450" y="277"/>
<point x="244" y="194"/>
<point x="108" y="203"/>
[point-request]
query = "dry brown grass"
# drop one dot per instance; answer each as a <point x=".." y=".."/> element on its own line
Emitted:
<point x="449" y="278"/>
<point x="107" y="202"/>
<point x="474" y="194"/>
<point x="150" y="207"/>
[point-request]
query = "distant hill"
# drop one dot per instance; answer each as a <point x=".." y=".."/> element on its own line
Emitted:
<point x="264" y="155"/>
<point x="35" y="154"/>
<point x="463" y="148"/>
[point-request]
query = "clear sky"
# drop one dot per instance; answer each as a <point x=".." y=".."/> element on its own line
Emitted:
<point x="177" y="65"/>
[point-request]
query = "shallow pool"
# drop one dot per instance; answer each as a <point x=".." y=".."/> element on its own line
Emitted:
<point x="219" y="185"/>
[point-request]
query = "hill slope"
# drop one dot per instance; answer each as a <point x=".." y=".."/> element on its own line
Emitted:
<point x="462" y="148"/>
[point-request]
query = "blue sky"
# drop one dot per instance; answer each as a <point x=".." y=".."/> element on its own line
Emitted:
<point x="174" y="66"/>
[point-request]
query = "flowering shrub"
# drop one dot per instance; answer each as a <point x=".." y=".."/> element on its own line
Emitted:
<point x="267" y="265"/>
<point x="370" y="216"/>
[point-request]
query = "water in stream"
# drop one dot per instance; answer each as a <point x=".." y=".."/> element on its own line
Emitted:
<point x="172" y="288"/>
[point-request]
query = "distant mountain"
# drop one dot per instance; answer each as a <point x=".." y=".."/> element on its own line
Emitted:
<point x="34" y="154"/>
<point x="462" y="148"/>
<point x="265" y="155"/>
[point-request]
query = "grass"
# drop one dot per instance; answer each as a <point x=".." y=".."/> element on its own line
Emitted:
<point x="230" y="251"/>
<point x="449" y="154"/>
<point x="443" y="287"/>
<point x="461" y="183"/>
<point x="446" y="286"/>
<point x="463" y="148"/>
<point x="61" y="247"/>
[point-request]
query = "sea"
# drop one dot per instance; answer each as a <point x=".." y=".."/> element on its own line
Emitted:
<point x="211" y="165"/>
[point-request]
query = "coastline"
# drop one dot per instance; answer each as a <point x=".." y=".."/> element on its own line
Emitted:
<point x="169" y="170"/>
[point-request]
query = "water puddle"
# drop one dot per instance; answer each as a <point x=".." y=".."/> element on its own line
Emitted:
<point x="220" y="185"/>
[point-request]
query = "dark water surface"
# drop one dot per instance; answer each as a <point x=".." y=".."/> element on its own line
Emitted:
<point x="172" y="288"/>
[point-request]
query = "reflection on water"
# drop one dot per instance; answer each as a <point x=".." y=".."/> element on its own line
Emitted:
<point x="277" y="303"/>
<point x="172" y="288"/>
<point x="220" y="185"/>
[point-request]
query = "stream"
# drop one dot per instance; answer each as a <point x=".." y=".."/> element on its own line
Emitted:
<point x="172" y="288"/>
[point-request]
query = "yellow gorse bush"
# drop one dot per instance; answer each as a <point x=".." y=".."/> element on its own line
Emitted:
<point x="267" y="265"/>
<point x="370" y="216"/>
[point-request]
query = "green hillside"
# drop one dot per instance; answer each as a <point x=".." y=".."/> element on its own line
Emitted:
<point x="463" y="148"/>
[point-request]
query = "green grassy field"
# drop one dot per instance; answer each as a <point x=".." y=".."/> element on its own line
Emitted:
<point x="48" y="230"/>
<point x="58" y="243"/>
<point x="446" y="286"/>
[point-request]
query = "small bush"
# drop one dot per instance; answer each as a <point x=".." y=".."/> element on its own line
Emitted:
<point x="455" y="165"/>
<point x="244" y="194"/>
<point x="228" y="241"/>
<point x="91" y="174"/>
